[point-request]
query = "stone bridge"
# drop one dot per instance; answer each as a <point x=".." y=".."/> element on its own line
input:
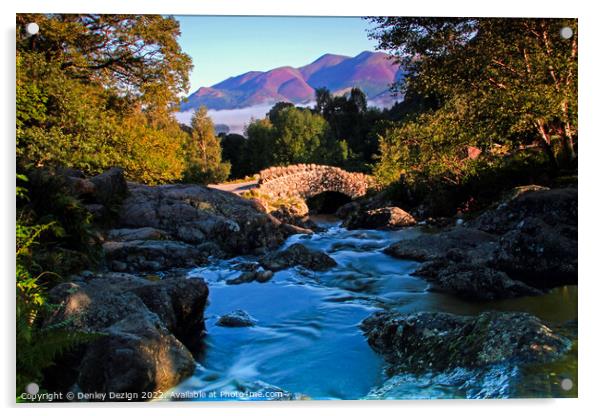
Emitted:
<point x="306" y="181"/>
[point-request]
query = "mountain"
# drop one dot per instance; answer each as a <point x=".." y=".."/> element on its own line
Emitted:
<point x="373" y="72"/>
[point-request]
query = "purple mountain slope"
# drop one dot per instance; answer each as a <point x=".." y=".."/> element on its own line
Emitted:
<point x="373" y="72"/>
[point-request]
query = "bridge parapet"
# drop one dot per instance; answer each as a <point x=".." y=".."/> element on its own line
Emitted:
<point x="307" y="180"/>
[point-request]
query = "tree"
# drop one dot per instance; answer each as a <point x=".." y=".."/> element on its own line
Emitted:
<point x="260" y="145"/>
<point x="519" y="76"/>
<point x="95" y="91"/>
<point x="204" y="152"/>
<point x="349" y="120"/>
<point x="234" y="151"/>
<point x="298" y="134"/>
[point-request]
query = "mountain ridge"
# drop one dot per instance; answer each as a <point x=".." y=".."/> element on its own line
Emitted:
<point x="373" y="72"/>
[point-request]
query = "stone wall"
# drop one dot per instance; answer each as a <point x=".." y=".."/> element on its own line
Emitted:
<point x="306" y="181"/>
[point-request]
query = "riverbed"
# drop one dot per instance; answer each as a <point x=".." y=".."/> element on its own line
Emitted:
<point x="307" y="344"/>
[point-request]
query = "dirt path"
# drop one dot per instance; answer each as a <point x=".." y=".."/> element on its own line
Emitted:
<point x="236" y="188"/>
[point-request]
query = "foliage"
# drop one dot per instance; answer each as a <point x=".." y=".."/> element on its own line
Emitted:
<point x="298" y="135"/>
<point x="204" y="153"/>
<point x="38" y="346"/>
<point x="260" y="145"/>
<point x="234" y="149"/>
<point x="291" y="135"/>
<point x="95" y="91"/>
<point x="500" y="81"/>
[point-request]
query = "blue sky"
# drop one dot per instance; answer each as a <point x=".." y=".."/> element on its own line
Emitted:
<point x="225" y="46"/>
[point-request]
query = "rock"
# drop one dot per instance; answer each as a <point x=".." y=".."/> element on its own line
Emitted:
<point x="195" y="214"/>
<point x="388" y="217"/>
<point x="80" y="186"/>
<point x="435" y="246"/>
<point x="180" y="303"/>
<point x="297" y="255"/>
<point x="110" y="186"/>
<point x="347" y="209"/>
<point x="556" y="207"/>
<point x="153" y="255"/>
<point x="294" y="213"/>
<point x="238" y="318"/>
<point x="436" y="341"/>
<point x="526" y="244"/>
<point x="264" y="276"/>
<point x="144" y="325"/>
<point x="118" y="266"/>
<point x="538" y="235"/>
<point x="539" y="254"/>
<point x="98" y="211"/>
<point x="130" y="234"/>
<point x="245" y="277"/>
<point x="472" y="281"/>
<point x="260" y="276"/>
<point x="136" y="355"/>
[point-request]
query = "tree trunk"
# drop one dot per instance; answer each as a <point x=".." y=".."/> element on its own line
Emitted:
<point x="546" y="143"/>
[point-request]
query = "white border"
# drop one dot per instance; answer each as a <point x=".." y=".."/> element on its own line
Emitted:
<point x="590" y="153"/>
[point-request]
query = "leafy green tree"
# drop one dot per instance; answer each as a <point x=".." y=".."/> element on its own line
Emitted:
<point x="298" y="134"/>
<point x="94" y="91"/>
<point x="204" y="153"/>
<point x="234" y="149"/>
<point x="260" y="145"/>
<point x="517" y="77"/>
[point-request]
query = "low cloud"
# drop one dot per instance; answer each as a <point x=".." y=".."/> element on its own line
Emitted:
<point x="238" y="118"/>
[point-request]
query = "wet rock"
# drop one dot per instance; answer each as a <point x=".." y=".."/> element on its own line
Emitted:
<point x="387" y="217"/>
<point x="472" y="281"/>
<point x="238" y="318"/>
<point x="264" y="276"/>
<point x="297" y="255"/>
<point x="435" y="341"/>
<point x="245" y="277"/>
<point x="260" y="276"/>
<point x="80" y="186"/>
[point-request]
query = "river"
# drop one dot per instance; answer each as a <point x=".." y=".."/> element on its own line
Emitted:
<point x="307" y="344"/>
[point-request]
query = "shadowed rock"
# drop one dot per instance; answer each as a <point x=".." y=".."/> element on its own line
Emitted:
<point x="298" y="255"/>
<point x="238" y="318"/>
<point x="435" y="341"/>
<point x="145" y="328"/>
<point x="388" y="217"/>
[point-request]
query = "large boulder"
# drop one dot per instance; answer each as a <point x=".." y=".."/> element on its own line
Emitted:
<point x="554" y="207"/>
<point x="472" y="280"/>
<point x="153" y="255"/>
<point x="196" y="214"/>
<point x="387" y="217"/>
<point x="469" y="242"/>
<point x="145" y="329"/>
<point x="297" y="255"/>
<point x="110" y="187"/>
<point x="436" y="341"/>
<point x="528" y="242"/>
<point x="135" y="355"/>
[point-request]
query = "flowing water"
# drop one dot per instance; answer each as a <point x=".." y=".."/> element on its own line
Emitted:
<point x="307" y="343"/>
